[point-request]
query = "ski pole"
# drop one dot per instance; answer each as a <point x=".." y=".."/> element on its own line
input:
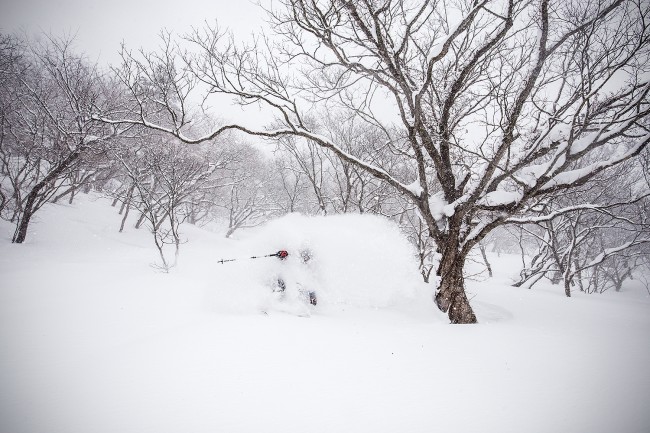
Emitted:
<point x="281" y="254"/>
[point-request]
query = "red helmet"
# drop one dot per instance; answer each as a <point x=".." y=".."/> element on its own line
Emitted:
<point x="282" y="254"/>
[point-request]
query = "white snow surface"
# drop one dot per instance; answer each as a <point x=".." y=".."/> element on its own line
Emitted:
<point x="93" y="339"/>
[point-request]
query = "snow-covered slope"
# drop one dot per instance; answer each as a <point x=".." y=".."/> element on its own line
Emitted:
<point x="93" y="339"/>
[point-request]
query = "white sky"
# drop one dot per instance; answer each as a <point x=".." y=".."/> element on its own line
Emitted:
<point x="100" y="26"/>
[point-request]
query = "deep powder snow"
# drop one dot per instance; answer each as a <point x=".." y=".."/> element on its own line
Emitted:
<point x="94" y="339"/>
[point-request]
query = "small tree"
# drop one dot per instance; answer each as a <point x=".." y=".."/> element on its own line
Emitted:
<point x="249" y="196"/>
<point x="293" y="185"/>
<point x="48" y="98"/>
<point x="589" y="246"/>
<point x="162" y="177"/>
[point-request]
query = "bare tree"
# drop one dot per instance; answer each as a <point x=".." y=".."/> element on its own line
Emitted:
<point x="590" y="247"/>
<point x="417" y="233"/>
<point x="310" y="162"/>
<point x="293" y="185"/>
<point x="498" y="106"/>
<point x="162" y="177"/>
<point x="249" y="196"/>
<point x="49" y="97"/>
<point x="335" y="185"/>
<point x="90" y="173"/>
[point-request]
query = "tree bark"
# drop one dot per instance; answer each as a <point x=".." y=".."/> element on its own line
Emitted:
<point x="127" y="200"/>
<point x="140" y="220"/>
<point x="451" y="297"/>
<point x="26" y="216"/>
<point x="126" y="214"/>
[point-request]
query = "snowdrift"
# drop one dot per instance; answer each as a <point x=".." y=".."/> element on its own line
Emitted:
<point x="355" y="260"/>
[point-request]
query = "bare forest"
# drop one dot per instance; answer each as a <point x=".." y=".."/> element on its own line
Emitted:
<point x="509" y="126"/>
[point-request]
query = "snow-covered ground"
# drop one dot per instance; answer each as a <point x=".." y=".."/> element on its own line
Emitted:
<point x="93" y="339"/>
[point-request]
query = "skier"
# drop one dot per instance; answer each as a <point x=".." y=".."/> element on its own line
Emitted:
<point x="310" y="295"/>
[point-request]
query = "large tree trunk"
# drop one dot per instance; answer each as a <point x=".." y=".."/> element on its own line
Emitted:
<point x="451" y="297"/>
